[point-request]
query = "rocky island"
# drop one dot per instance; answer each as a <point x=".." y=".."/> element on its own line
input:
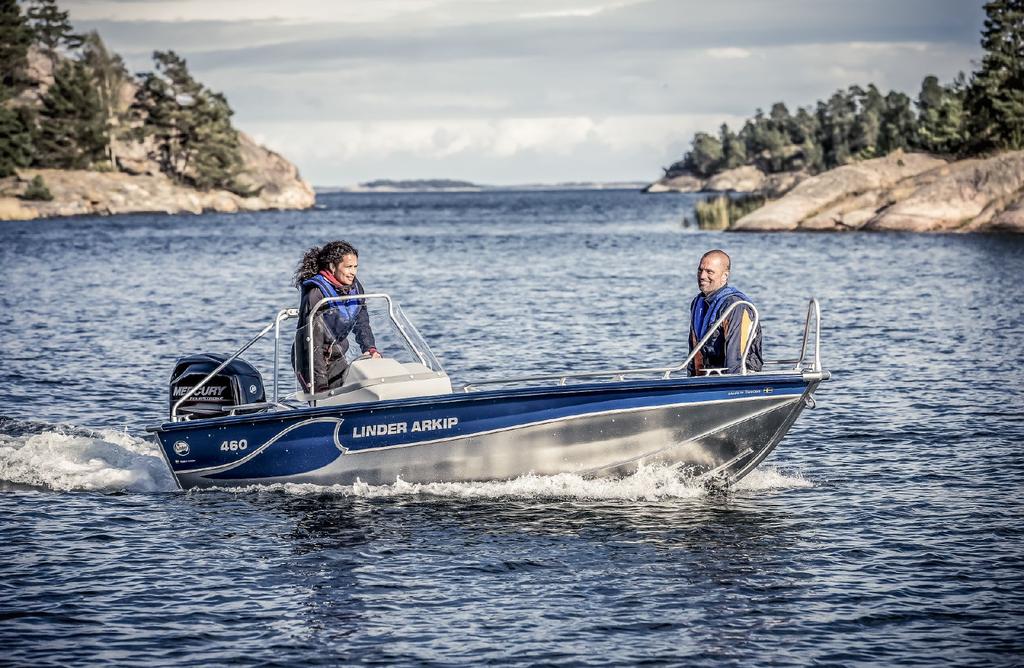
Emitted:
<point x="914" y="192"/>
<point x="952" y="160"/>
<point x="79" y="135"/>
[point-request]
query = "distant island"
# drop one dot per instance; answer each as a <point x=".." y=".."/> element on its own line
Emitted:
<point x="411" y="185"/>
<point x="453" y="185"/>
<point x="949" y="160"/>
<point x="80" y="135"/>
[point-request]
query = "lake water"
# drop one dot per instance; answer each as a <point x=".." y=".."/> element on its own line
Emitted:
<point x="886" y="529"/>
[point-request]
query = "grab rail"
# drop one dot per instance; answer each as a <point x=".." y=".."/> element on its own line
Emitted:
<point x="286" y="314"/>
<point x="276" y="324"/>
<point x="667" y="371"/>
<point x="812" y="307"/>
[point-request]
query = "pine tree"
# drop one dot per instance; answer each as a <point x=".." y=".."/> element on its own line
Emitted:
<point x="705" y="157"/>
<point x="940" y="118"/>
<point x="734" y="152"/>
<point x="190" y="125"/>
<point x="108" y="74"/>
<point x="867" y="123"/>
<point x="51" y="27"/>
<point x="218" y="160"/>
<point x="995" y="97"/>
<point x="803" y="131"/>
<point x="15" y="38"/>
<point x="836" y="118"/>
<point x="160" y="113"/>
<point x="765" y="138"/>
<point x="15" y="137"/>
<point x="899" y="124"/>
<point x="72" y="127"/>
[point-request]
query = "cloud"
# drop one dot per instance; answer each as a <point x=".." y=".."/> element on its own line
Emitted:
<point x="728" y="53"/>
<point x="572" y="12"/>
<point x="508" y="140"/>
<point x="315" y="33"/>
<point x="489" y="89"/>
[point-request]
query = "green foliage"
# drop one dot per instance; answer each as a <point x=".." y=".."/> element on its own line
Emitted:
<point x="218" y="160"/>
<point x="940" y="125"/>
<point x="837" y="118"/>
<point x="15" y="137"/>
<point x="734" y="151"/>
<point x="37" y="190"/>
<point x="706" y="156"/>
<point x="720" y="212"/>
<point x="51" y="27"/>
<point x="867" y="123"/>
<point x="995" y="97"/>
<point x="189" y="125"/>
<point x="15" y="38"/>
<point x="899" y="124"/>
<point x="765" y="138"/>
<point x="109" y="75"/>
<point x="855" y="124"/>
<point x="72" y="128"/>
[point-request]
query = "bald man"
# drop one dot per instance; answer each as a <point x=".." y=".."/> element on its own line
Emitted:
<point x="724" y="348"/>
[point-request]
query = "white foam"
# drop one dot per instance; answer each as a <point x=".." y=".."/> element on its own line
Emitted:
<point x="105" y="460"/>
<point x="649" y="483"/>
<point x="109" y="460"/>
<point x="769" y="477"/>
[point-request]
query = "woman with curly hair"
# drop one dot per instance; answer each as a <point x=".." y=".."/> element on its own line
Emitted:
<point x="329" y="271"/>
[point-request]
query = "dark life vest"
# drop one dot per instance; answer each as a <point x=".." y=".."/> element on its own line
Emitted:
<point x="339" y="317"/>
<point x="704" y="314"/>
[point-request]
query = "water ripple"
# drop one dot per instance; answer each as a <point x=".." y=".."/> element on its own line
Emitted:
<point x="885" y="530"/>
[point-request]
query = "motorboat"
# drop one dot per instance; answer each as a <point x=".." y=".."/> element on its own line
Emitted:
<point x="399" y="417"/>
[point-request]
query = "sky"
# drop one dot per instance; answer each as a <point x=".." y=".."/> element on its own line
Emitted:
<point x="526" y="91"/>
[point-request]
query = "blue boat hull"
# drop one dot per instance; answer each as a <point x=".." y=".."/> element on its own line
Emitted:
<point x="722" y="426"/>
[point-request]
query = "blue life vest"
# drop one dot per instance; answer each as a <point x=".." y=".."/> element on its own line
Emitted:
<point x="704" y="314"/>
<point x="339" y="316"/>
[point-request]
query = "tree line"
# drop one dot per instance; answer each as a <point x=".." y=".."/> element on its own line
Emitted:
<point x="185" y="127"/>
<point x="974" y="116"/>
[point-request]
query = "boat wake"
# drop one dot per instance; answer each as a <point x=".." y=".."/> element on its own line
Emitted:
<point x="66" y="458"/>
<point x="648" y="483"/>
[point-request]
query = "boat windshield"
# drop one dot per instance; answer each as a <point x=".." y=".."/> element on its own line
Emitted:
<point x="344" y="329"/>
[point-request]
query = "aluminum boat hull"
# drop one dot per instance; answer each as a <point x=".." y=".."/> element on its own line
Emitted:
<point x="715" y="426"/>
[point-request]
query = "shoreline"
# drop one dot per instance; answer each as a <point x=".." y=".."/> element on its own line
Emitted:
<point x="900" y="192"/>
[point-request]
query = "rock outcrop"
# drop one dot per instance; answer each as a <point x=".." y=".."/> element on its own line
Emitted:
<point x="1010" y="219"/>
<point x="745" y="179"/>
<point x="682" y="183"/>
<point x="139" y="186"/>
<point x="827" y="194"/>
<point x="80" y="192"/>
<point x="964" y="195"/>
<point x="906" y="192"/>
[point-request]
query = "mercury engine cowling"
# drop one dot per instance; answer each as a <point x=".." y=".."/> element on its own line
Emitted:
<point x="236" y="384"/>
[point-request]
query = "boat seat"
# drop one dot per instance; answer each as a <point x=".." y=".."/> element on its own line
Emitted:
<point x="380" y="379"/>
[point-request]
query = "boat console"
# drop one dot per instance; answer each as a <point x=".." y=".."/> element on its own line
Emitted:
<point x="380" y="379"/>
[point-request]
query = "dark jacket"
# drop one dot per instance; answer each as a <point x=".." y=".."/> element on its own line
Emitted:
<point x="330" y="332"/>
<point x="724" y="348"/>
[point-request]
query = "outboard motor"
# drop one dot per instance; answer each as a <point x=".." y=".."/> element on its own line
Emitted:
<point x="238" y="383"/>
